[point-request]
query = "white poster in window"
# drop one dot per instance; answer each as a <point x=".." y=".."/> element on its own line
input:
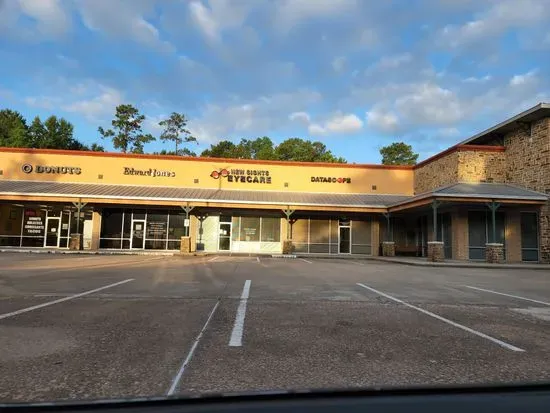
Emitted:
<point x="186" y="222"/>
<point x="64" y="226"/>
<point x="138" y="227"/>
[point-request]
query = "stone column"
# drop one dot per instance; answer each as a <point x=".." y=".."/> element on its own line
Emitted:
<point x="494" y="253"/>
<point x="388" y="249"/>
<point x="436" y="251"/>
<point x="185" y="245"/>
<point x="75" y="242"/>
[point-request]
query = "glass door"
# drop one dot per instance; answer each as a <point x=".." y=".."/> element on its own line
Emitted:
<point x="224" y="237"/>
<point x="52" y="232"/>
<point x="137" y="239"/>
<point x="345" y="237"/>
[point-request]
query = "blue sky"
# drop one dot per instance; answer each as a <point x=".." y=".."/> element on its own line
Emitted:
<point x="353" y="74"/>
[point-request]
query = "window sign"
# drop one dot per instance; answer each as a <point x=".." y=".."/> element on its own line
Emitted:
<point x="34" y="223"/>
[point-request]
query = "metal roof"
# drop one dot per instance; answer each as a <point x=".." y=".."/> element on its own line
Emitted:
<point x="131" y="192"/>
<point x="536" y="112"/>
<point x="480" y="190"/>
<point x="134" y="192"/>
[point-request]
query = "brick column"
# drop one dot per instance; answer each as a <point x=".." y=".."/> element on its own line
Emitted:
<point x="388" y="249"/>
<point x="185" y="245"/>
<point x="494" y="253"/>
<point x="436" y="251"/>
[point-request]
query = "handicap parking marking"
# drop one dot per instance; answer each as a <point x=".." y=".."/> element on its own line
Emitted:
<point x="61" y="300"/>
<point x="508" y="295"/>
<point x="445" y="320"/>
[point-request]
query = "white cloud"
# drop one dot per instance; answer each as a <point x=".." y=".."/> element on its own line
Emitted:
<point x="338" y="123"/>
<point x="473" y="79"/>
<point x="123" y="19"/>
<point x="212" y="17"/>
<point x="429" y="103"/>
<point x="42" y="102"/>
<point x="448" y="132"/>
<point x="67" y="61"/>
<point x="292" y="12"/>
<point x="521" y="80"/>
<point x="338" y="64"/>
<point x="389" y="62"/>
<point x="382" y="120"/>
<point x="500" y="17"/>
<point x="50" y="16"/>
<point x="256" y="117"/>
<point x="103" y="102"/>
<point x="368" y="38"/>
<point x="300" y="117"/>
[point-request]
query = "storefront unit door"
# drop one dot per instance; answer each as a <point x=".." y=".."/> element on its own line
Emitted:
<point x="138" y="234"/>
<point x="224" y="238"/>
<point x="345" y="239"/>
<point x="52" y="232"/>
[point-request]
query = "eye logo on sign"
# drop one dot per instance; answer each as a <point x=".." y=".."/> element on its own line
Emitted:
<point x="27" y="168"/>
<point x="245" y="176"/>
<point x="216" y="174"/>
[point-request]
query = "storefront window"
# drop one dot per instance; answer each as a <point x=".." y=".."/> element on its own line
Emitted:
<point x="111" y="223"/>
<point x="271" y="229"/>
<point x="176" y="227"/>
<point x="250" y="229"/>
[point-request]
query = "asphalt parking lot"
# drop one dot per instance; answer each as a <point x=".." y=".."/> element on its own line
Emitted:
<point x="89" y="327"/>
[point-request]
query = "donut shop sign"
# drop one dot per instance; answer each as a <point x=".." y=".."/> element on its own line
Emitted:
<point x="246" y="176"/>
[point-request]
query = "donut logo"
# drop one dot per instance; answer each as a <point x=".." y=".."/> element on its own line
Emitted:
<point x="27" y="168"/>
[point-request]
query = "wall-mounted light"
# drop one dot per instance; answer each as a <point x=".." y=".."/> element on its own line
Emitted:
<point x="100" y="176"/>
<point x="286" y="184"/>
<point x="195" y="181"/>
<point x="373" y="187"/>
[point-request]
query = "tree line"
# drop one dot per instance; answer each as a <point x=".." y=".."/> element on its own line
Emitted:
<point x="127" y="135"/>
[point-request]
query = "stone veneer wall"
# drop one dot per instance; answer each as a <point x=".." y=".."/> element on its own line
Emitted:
<point x="442" y="171"/>
<point x="461" y="165"/>
<point x="478" y="166"/>
<point x="528" y="165"/>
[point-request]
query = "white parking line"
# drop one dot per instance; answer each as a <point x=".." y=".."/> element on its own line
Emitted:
<point x="468" y="329"/>
<point x="508" y="295"/>
<point x="258" y="259"/>
<point x="177" y="379"/>
<point x="214" y="258"/>
<point x="237" y="333"/>
<point x="309" y="262"/>
<point x="60" y="300"/>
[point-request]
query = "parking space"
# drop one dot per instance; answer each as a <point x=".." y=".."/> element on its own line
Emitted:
<point x="108" y="327"/>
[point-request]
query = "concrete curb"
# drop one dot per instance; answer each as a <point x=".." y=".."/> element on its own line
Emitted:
<point x="538" y="267"/>
<point x="71" y="252"/>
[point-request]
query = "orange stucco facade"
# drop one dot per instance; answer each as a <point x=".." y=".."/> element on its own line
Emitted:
<point x="169" y="171"/>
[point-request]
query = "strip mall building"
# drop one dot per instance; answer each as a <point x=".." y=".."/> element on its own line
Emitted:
<point x="483" y="199"/>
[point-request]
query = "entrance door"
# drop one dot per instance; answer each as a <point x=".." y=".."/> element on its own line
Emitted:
<point x="138" y="234"/>
<point x="345" y="239"/>
<point x="52" y="232"/>
<point x="224" y="238"/>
